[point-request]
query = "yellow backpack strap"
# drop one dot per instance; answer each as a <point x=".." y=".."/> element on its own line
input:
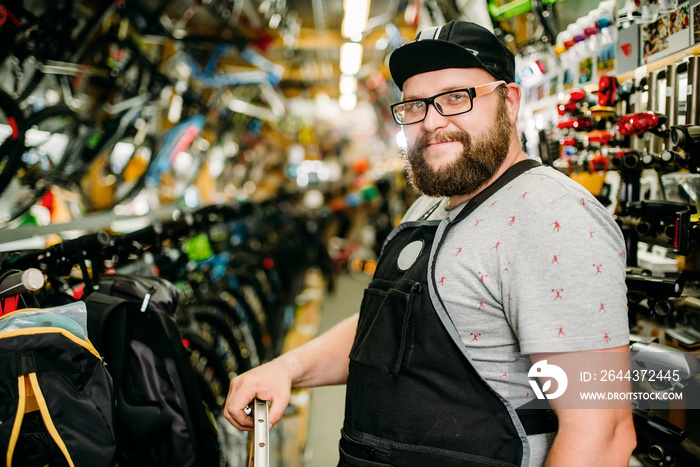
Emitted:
<point x="46" y="416"/>
<point x="17" y="425"/>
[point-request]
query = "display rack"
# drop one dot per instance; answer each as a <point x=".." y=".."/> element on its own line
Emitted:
<point x="105" y="220"/>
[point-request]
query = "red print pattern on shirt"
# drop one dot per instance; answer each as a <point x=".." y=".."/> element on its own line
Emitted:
<point x="504" y="376"/>
<point x="557" y="290"/>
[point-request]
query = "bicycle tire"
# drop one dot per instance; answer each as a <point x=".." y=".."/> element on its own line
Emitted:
<point x="118" y="171"/>
<point x="9" y="27"/>
<point x="46" y="146"/>
<point x="254" y="305"/>
<point x="242" y="323"/>
<point x="205" y="361"/>
<point x="267" y="304"/>
<point x="12" y="127"/>
<point x="216" y="331"/>
<point x="18" y="65"/>
<point x="113" y="71"/>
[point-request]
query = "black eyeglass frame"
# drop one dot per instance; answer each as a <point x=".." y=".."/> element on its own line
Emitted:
<point x="473" y="93"/>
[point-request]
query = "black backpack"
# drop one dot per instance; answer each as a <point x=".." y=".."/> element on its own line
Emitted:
<point x="160" y="416"/>
<point x="56" y="404"/>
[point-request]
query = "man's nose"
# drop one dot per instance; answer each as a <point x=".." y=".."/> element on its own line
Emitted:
<point x="433" y="119"/>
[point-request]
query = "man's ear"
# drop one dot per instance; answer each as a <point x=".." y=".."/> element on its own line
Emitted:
<point x="513" y="101"/>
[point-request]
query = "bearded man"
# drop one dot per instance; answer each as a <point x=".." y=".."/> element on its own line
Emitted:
<point x="490" y="265"/>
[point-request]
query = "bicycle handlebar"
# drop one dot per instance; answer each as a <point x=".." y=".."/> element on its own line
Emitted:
<point x="18" y="282"/>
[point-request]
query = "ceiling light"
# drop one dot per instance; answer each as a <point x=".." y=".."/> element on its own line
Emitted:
<point x="350" y="58"/>
<point x="347" y="102"/>
<point x="348" y="84"/>
<point x="355" y="19"/>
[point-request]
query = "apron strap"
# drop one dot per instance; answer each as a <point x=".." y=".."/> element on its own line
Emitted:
<point x="427" y="213"/>
<point x="534" y="420"/>
<point x="509" y="175"/>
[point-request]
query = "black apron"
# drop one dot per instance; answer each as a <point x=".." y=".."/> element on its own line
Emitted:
<point x="413" y="398"/>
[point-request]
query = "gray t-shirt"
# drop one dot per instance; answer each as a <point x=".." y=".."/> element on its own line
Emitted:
<point x="538" y="267"/>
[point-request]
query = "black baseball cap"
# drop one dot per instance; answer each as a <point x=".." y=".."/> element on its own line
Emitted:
<point x="457" y="44"/>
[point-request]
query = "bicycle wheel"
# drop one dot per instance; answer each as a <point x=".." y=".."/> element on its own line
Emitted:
<point x="22" y="36"/>
<point x="112" y="72"/>
<point x="219" y="334"/>
<point x="12" y="126"/>
<point x="117" y="172"/>
<point x="206" y="363"/>
<point x="229" y="306"/>
<point x="45" y="147"/>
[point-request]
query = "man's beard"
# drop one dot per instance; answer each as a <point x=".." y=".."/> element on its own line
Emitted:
<point x="480" y="160"/>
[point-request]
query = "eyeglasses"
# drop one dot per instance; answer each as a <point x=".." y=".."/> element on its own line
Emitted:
<point x="458" y="101"/>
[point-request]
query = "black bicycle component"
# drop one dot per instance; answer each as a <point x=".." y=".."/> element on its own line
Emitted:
<point x="46" y="147"/>
<point x="687" y="138"/>
<point x="12" y="127"/>
<point x="668" y="219"/>
<point x="657" y="291"/>
<point x="658" y="441"/>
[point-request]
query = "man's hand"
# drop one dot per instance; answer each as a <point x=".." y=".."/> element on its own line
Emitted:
<point x="320" y="362"/>
<point x="269" y="382"/>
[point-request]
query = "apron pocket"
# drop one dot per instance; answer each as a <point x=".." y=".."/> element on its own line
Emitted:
<point x="346" y="460"/>
<point x="357" y="454"/>
<point x="384" y="335"/>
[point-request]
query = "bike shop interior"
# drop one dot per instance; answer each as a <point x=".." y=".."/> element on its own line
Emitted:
<point x="241" y="156"/>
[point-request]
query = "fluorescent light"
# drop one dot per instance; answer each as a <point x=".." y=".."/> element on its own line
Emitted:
<point x="355" y="19"/>
<point x="348" y="84"/>
<point x="350" y="58"/>
<point x="347" y="102"/>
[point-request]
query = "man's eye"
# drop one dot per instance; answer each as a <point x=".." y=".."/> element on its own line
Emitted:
<point x="457" y="97"/>
<point x="417" y="106"/>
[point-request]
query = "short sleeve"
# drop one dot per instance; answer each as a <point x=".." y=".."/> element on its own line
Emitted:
<point x="567" y="288"/>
